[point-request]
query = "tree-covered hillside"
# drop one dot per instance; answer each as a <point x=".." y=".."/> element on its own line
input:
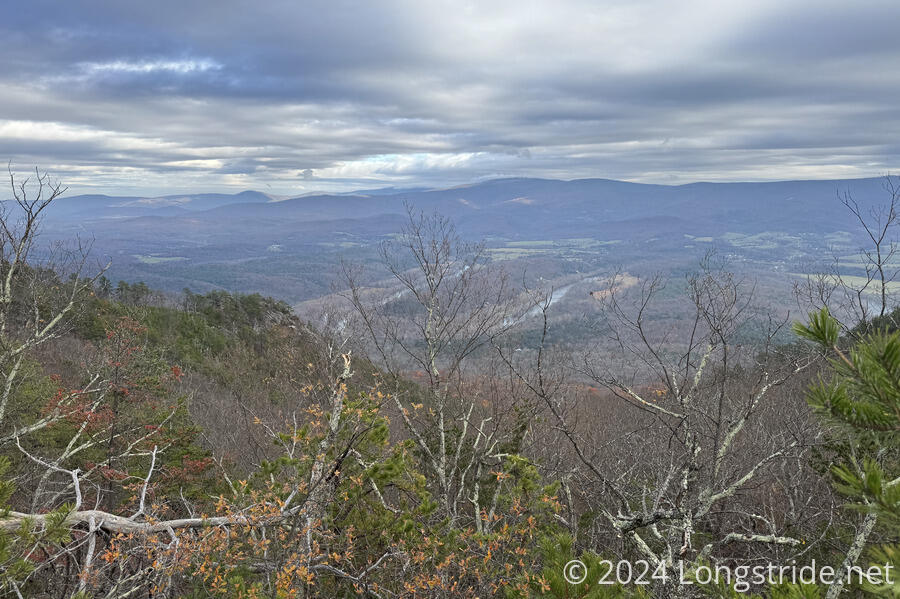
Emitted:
<point x="215" y="445"/>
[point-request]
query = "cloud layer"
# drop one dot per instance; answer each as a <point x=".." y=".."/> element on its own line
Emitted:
<point x="290" y="97"/>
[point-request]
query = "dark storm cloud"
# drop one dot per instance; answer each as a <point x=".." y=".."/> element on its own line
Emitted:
<point x="163" y="96"/>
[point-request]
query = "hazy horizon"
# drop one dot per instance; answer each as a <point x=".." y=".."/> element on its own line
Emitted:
<point x="362" y="189"/>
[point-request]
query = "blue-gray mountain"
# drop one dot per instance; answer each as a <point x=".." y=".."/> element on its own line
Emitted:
<point x="290" y="247"/>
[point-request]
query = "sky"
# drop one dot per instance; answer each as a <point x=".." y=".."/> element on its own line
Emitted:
<point x="290" y="97"/>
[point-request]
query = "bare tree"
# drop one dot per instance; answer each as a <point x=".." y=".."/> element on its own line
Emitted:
<point x="859" y="304"/>
<point x="35" y="301"/>
<point x="860" y="298"/>
<point x="443" y="304"/>
<point x="321" y="443"/>
<point x="676" y="481"/>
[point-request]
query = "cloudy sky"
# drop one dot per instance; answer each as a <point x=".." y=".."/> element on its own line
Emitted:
<point x="295" y="96"/>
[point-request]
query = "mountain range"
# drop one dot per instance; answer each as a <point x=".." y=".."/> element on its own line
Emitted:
<point x="290" y="248"/>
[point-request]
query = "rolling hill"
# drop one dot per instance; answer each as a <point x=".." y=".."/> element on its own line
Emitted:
<point x="290" y="248"/>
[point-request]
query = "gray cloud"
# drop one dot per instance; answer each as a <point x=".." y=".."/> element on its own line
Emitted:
<point x="178" y="96"/>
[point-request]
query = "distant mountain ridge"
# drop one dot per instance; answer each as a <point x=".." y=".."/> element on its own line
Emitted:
<point x="252" y="241"/>
<point x="487" y="194"/>
<point x="104" y="206"/>
<point x="514" y="200"/>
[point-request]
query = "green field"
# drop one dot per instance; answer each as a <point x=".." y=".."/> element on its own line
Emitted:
<point x="856" y="282"/>
<point x="158" y="259"/>
<point x="767" y="240"/>
<point x="512" y="250"/>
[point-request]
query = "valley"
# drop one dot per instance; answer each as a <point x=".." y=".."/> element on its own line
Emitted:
<point x="545" y="234"/>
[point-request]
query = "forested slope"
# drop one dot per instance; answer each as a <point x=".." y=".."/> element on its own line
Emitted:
<point x="213" y="444"/>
